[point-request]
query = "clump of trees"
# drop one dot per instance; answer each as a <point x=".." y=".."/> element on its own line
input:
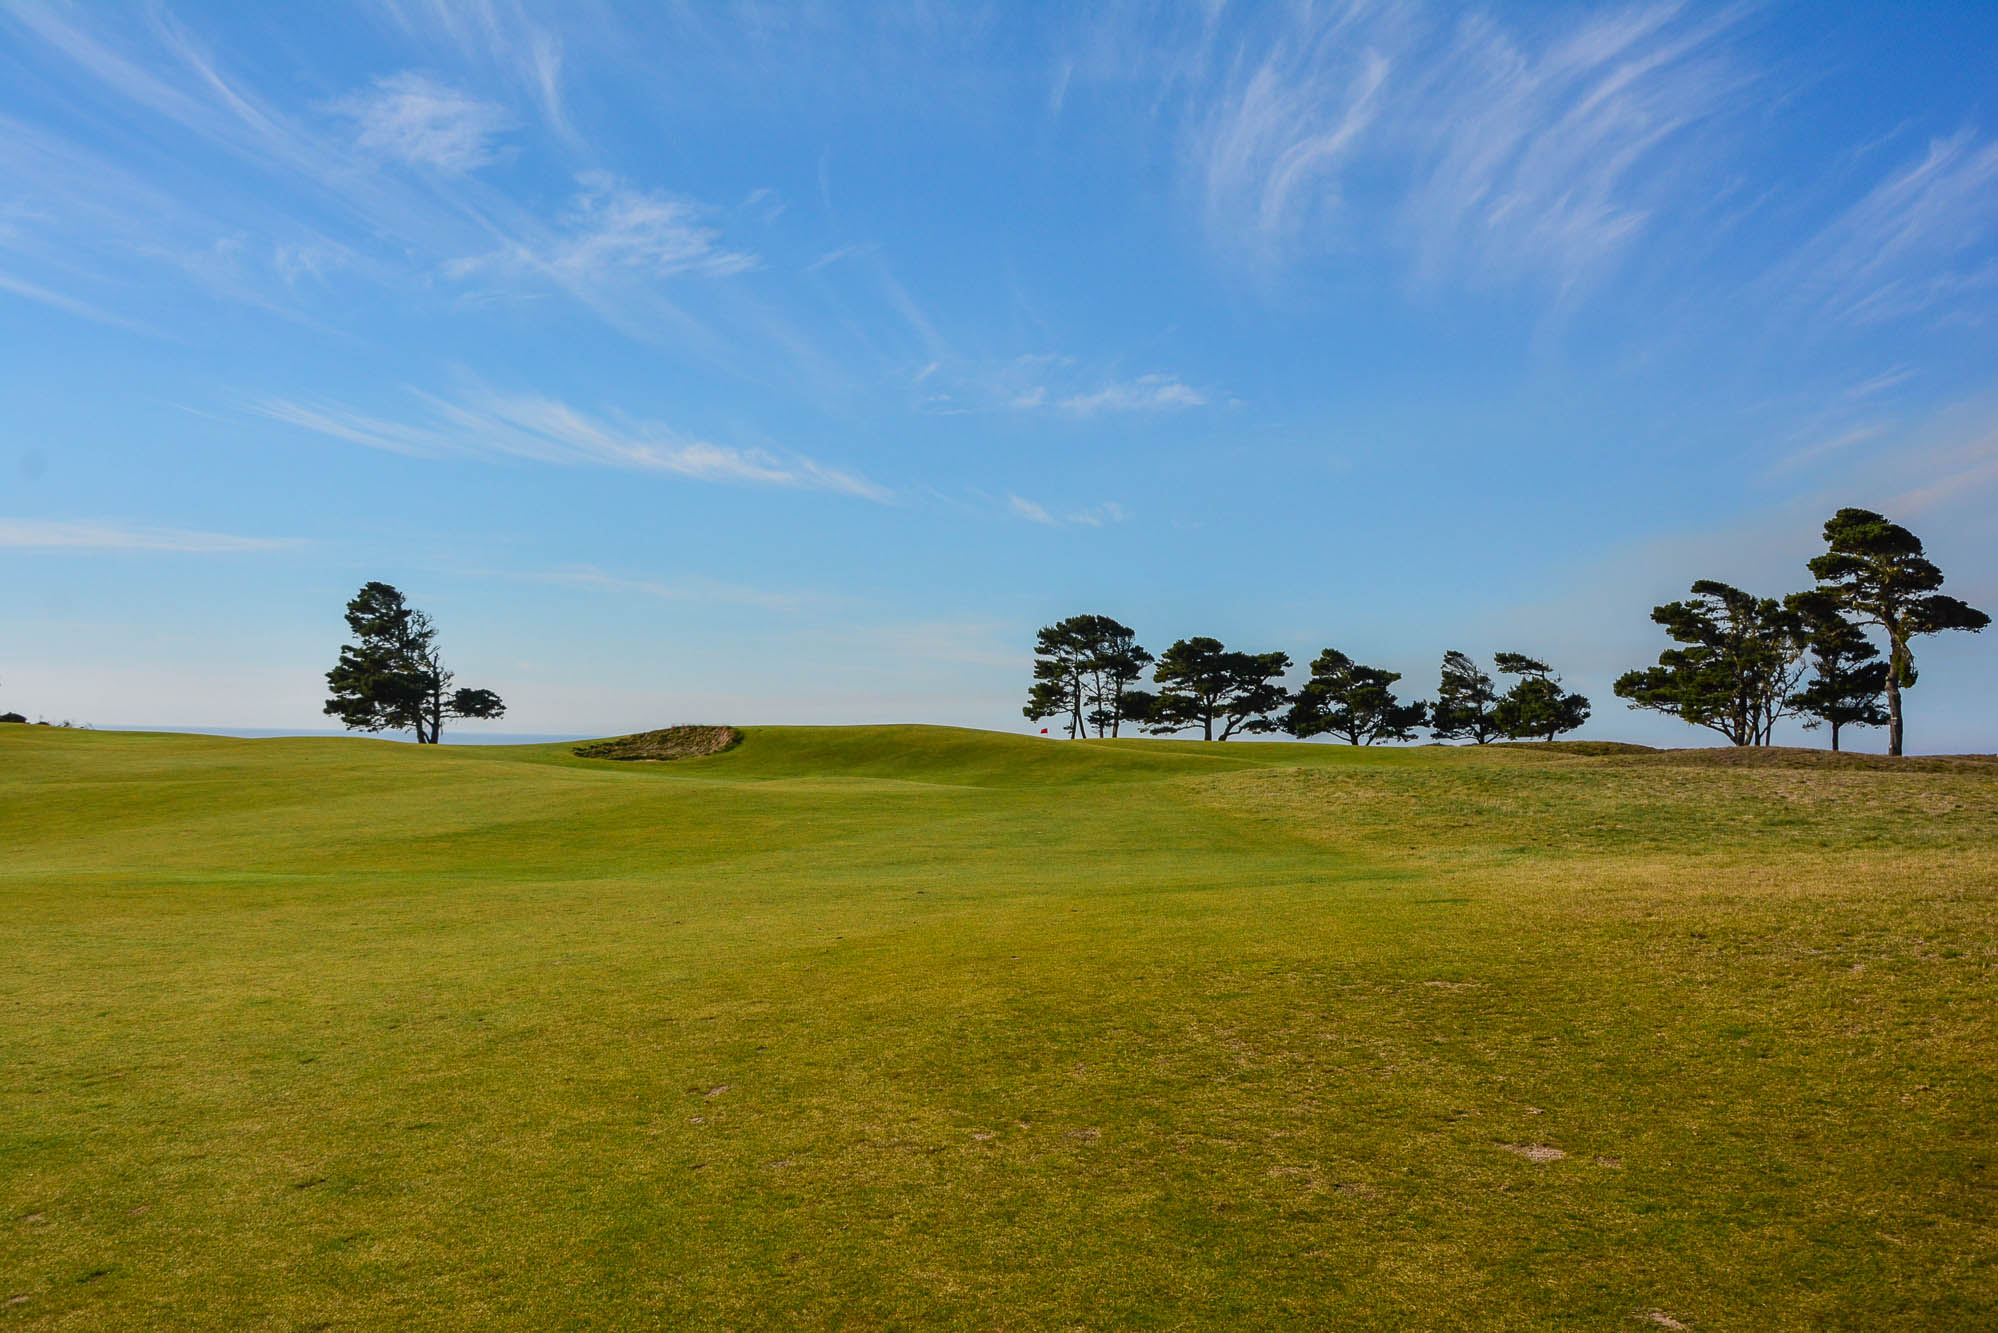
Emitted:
<point x="1086" y="670"/>
<point x="1741" y="661"/>
<point x="392" y="677"/>
<point x="1739" y="664"/>
<point x="1733" y="674"/>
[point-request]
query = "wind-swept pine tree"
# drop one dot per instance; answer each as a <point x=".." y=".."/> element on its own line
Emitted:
<point x="1536" y="706"/>
<point x="1201" y="683"/>
<point x="1343" y="698"/>
<point x="1742" y="657"/>
<point x="392" y="678"/>
<point x="1847" y="681"/>
<point x="1877" y="572"/>
<point x="1464" y="700"/>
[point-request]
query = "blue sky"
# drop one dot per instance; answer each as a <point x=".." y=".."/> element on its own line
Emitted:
<point x="793" y="363"/>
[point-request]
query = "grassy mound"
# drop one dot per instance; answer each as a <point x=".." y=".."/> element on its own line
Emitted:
<point x="670" y="743"/>
<point x="913" y="1027"/>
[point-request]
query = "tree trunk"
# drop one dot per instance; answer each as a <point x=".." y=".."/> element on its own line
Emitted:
<point x="1834" y="737"/>
<point x="1893" y="709"/>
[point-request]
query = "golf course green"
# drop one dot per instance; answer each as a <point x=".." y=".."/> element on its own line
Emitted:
<point x="927" y="1028"/>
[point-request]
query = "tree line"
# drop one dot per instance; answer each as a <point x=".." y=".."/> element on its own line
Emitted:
<point x="1740" y="664"/>
<point x="1088" y="669"/>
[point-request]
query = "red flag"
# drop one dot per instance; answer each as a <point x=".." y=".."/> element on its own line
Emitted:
<point x="1044" y="731"/>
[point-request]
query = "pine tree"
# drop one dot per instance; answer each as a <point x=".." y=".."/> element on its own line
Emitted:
<point x="1877" y="572"/>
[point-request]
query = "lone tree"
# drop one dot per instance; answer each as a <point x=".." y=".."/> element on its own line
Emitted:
<point x="1536" y="705"/>
<point x="393" y="677"/>
<point x="1847" y="680"/>
<point x="1743" y="657"/>
<point x="1082" y="668"/>
<point x="1202" y="682"/>
<point x="1343" y="698"/>
<point x="1464" y="700"/>
<point x="1878" y="574"/>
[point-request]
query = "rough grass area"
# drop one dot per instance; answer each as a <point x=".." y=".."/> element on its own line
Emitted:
<point x="671" y="743"/>
<point x="909" y="1027"/>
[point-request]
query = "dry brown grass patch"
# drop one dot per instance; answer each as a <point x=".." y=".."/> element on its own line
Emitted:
<point x="671" y="743"/>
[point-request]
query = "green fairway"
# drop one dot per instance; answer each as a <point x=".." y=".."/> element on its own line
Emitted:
<point x="917" y="1027"/>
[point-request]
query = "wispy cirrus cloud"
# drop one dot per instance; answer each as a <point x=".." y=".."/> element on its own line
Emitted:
<point x="1553" y="156"/>
<point x="71" y="305"/>
<point x="1513" y="153"/>
<point x="1146" y="393"/>
<point x="693" y="588"/>
<point x="482" y="423"/>
<point x="306" y="191"/>
<point x="1920" y="238"/>
<point x="612" y="227"/>
<point x="500" y="35"/>
<point x="38" y="534"/>
<point x="1043" y="382"/>
<point x="1096" y="516"/>
<point x="1269" y="143"/>
<point x="416" y="120"/>
<point x="1029" y="510"/>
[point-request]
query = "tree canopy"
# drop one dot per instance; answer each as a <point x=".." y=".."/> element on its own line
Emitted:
<point x="1464" y="700"/>
<point x="1878" y="574"/>
<point x="1083" y="669"/>
<point x="1344" y="698"/>
<point x="1536" y="705"/>
<point x="392" y="678"/>
<point x="1848" y="680"/>
<point x="1202" y="682"/>
<point x="1737" y="669"/>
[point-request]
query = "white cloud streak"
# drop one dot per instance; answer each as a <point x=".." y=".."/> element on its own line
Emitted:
<point x="483" y="424"/>
<point x="1096" y="516"/>
<point x="692" y="589"/>
<point x="1042" y="382"/>
<point x="71" y="305"/>
<point x="1030" y="511"/>
<point x="33" y="534"/>
<point x="1147" y="393"/>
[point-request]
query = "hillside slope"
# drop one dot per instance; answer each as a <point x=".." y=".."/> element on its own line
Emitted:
<point x="921" y="1027"/>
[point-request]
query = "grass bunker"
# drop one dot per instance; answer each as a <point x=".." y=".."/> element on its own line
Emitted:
<point x="670" y="743"/>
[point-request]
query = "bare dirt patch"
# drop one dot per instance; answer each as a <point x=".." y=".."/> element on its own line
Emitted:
<point x="1535" y="1152"/>
<point x="671" y="743"/>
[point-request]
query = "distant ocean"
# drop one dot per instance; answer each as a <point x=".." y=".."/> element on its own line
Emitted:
<point x="450" y="737"/>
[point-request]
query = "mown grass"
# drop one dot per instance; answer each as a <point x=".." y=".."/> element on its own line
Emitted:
<point x="922" y="1028"/>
